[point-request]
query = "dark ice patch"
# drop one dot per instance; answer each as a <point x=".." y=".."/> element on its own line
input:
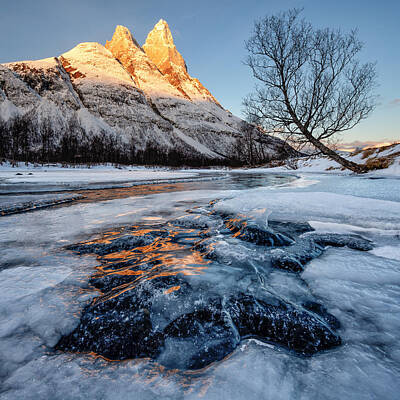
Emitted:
<point x="295" y="257"/>
<point x="125" y="242"/>
<point x="355" y="242"/>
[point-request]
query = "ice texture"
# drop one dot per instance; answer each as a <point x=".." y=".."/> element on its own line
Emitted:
<point x="361" y="289"/>
<point x="145" y="267"/>
<point x="17" y="204"/>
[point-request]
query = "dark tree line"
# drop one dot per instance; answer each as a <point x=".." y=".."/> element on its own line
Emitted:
<point x="23" y="139"/>
<point x="254" y="147"/>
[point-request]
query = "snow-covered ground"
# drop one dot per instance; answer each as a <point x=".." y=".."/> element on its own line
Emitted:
<point x="57" y="175"/>
<point x="43" y="288"/>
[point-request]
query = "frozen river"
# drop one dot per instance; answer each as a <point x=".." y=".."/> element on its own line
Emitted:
<point x="57" y="261"/>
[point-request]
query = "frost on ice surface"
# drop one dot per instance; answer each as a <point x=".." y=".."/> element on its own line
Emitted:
<point x="26" y="281"/>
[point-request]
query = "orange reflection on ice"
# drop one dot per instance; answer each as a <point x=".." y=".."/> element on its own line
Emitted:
<point x="162" y="257"/>
<point x="172" y="289"/>
<point x="91" y="195"/>
<point x="233" y="223"/>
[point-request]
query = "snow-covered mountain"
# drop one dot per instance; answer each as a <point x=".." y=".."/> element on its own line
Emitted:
<point x="122" y="102"/>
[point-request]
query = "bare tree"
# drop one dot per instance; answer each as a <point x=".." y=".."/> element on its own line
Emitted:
<point x="310" y="86"/>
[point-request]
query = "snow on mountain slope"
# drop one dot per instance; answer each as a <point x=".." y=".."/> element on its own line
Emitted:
<point x="109" y="94"/>
<point x="94" y="62"/>
<point x="16" y="90"/>
<point x="134" y="101"/>
<point x="88" y="85"/>
<point x="8" y="110"/>
<point x="36" y="90"/>
<point x="44" y="79"/>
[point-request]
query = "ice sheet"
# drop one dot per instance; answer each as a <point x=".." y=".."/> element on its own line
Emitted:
<point x="44" y="288"/>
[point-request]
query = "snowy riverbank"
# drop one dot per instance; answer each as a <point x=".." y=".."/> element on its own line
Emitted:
<point x="29" y="187"/>
<point x="83" y="176"/>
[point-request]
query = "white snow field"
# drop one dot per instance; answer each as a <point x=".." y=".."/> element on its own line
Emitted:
<point x="43" y="289"/>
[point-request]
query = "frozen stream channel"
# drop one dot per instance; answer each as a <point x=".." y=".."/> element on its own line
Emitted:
<point x="322" y="251"/>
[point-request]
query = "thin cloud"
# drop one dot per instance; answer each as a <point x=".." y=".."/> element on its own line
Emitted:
<point x="357" y="144"/>
<point x="395" y="102"/>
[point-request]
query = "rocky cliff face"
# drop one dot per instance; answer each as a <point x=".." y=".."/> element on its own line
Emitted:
<point x="121" y="103"/>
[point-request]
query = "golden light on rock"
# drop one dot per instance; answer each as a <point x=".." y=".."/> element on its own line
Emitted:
<point x="161" y="49"/>
<point x="158" y="66"/>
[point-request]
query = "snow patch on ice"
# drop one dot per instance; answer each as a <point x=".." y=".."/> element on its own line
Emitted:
<point x="391" y="252"/>
<point x="321" y="206"/>
<point x="334" y="227"/>
<point x="24" y="281"/>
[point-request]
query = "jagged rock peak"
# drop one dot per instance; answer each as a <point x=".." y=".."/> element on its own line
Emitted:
<point x="160" y="47"/>
<point x="164" y="32"/>
<point x="123" y="35"/>
<point x="135" y="61"/>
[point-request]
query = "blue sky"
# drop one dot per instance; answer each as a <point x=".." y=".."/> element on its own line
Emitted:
<point x="210" y="35"/>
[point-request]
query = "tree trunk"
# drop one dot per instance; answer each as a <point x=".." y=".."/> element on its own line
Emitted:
<point x="352" y="166"/>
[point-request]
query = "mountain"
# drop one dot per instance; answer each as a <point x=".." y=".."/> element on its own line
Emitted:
<point x="122" y="103"/>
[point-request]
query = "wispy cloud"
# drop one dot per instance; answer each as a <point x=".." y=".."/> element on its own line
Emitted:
<point x="358" y="144"/>
<point x="394" y="102"/>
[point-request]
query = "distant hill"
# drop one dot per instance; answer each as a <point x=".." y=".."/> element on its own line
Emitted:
<point x="384" y="160"/>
